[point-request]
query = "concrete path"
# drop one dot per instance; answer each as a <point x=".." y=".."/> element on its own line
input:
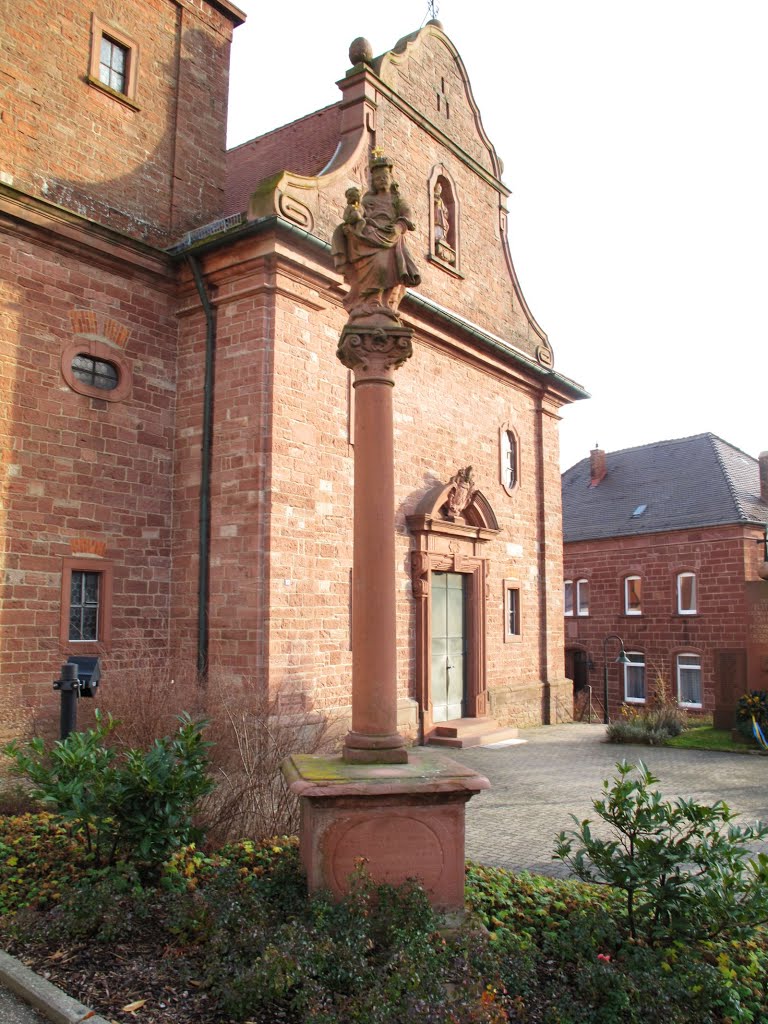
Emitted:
<point x="14" y="1011"/>
<point x="559" y="770"/>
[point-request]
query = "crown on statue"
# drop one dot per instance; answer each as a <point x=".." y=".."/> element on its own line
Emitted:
<point x="378" y="159"/>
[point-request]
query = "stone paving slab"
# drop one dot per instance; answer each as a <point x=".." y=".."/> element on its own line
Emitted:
<point x="559" y="770"/>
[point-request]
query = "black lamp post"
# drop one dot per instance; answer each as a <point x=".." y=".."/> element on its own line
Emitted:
<point x="621" y="660"/>
<point x="79" y="678"/>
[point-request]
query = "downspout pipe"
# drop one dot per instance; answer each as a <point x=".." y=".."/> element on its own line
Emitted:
<point x="204" y="524"/>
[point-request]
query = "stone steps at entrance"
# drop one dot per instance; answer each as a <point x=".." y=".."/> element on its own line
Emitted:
<point x="469" y="732"/>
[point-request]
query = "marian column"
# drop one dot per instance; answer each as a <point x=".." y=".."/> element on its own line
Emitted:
<point x="403" y="813"/>
<point x="369" y="248"/>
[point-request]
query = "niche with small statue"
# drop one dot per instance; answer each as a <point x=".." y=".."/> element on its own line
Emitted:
<point x="443" y="220"/>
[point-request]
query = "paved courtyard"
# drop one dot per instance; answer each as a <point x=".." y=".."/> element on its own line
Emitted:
<point x="559" y="770"/>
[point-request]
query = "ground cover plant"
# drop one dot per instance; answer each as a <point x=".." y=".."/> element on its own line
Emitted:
<point x="706" y="737"/>
<point x="669" y="928"/>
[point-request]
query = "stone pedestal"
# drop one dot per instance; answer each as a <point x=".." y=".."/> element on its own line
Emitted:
<point x="405" y="820"/>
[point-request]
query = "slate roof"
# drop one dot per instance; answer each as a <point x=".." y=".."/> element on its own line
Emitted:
<point x="304" y="147"/>
<point x="689" y="482"/>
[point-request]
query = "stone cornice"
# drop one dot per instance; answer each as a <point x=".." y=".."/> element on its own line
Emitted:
<point x="29" y="217"/>
<point x="427" y="316"/>
<point x="228" y="9"/>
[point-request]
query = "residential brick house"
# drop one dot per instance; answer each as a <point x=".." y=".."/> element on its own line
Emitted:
<point x="665" y="552"/>
<point x="178" y="433"/>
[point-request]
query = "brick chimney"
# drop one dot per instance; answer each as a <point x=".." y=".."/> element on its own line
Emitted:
<point x="598" y="468"/>
<point x="763" y="459"/>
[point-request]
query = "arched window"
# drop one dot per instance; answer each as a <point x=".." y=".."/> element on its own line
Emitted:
<point x="509" y="458"/>
<point x="633" y="595"/>
<point x="98" y="373"/>
<point x="568" y="597"/>
<point x="96" y="369"/>
<point x="689" y="680"/>
<point x="686" y="593"/>
<point x="634" y="678"/>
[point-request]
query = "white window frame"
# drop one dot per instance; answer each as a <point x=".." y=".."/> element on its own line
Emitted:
<point x="582" y="585"/>
<point x="566" y="585"/>
<point x="680" y="669"/>
<point x="680" y="609"/>
<point x="634" y="664"/>
<point x="627" y="609"/>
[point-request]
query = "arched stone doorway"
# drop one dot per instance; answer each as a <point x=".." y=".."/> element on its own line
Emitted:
<point x="449" y="569"/>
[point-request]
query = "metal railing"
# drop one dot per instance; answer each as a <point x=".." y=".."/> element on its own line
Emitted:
<point x="592" y="708"/>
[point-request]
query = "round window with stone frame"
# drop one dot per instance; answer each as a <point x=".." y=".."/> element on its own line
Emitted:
<point x="96" y="369"/>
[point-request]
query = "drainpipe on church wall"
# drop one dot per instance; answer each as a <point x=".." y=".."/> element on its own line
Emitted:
<point x="204" y="531"/>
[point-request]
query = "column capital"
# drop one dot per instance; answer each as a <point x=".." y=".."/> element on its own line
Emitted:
<point x="374" y="350"/>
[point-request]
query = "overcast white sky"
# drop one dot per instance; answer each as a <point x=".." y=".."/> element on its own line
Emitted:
<point x="635" y="142"/>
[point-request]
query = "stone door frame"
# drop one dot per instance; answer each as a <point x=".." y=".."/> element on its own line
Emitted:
<point x="442" y="543"/>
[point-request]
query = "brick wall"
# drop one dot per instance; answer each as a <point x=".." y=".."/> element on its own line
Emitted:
<point x="80" y="474"/>
<point x="154" y="169"/>
<point x="282" y="486"/>
<point x="124" y="476"/>
<point x="716" y="555"/>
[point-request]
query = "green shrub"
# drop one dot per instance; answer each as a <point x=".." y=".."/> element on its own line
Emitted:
<point x="653" y="726"/>
<point x="682" y="866"/>
<point x="134" y="806"/>
<point x="375" y="957"/>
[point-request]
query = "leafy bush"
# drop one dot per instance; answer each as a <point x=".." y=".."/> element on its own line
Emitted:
<point x="662" y="720"/>
<point x="136" y="806"/>
<point x="252" y="732"/>
<point x="681" y="865"/>
<point x="375" y="957"/>
<point x="238" y="923"/>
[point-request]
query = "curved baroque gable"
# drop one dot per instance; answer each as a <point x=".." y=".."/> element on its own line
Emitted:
<point x="444" y="90"/>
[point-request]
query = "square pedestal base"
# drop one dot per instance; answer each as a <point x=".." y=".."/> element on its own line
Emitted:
<point x="406" y="820"/>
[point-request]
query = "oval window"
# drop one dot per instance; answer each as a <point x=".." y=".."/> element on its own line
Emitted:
<point x="97" y="373"/>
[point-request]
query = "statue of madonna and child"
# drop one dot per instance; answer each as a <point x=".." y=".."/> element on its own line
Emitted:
<point x="369" y="246"/>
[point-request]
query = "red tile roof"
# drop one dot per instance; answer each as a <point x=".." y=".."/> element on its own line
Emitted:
<point x="304" y="146"/>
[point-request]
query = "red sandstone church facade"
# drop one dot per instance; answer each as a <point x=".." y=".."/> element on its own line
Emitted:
<point x="177" y="432"/>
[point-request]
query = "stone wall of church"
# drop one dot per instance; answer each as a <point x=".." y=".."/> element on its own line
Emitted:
<point x="85" y="473"/>
<point x="150" y="164"/>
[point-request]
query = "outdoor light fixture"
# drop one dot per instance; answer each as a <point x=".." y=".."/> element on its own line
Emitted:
<point x="621" y="660"/>
<point x="79" y="678"/>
